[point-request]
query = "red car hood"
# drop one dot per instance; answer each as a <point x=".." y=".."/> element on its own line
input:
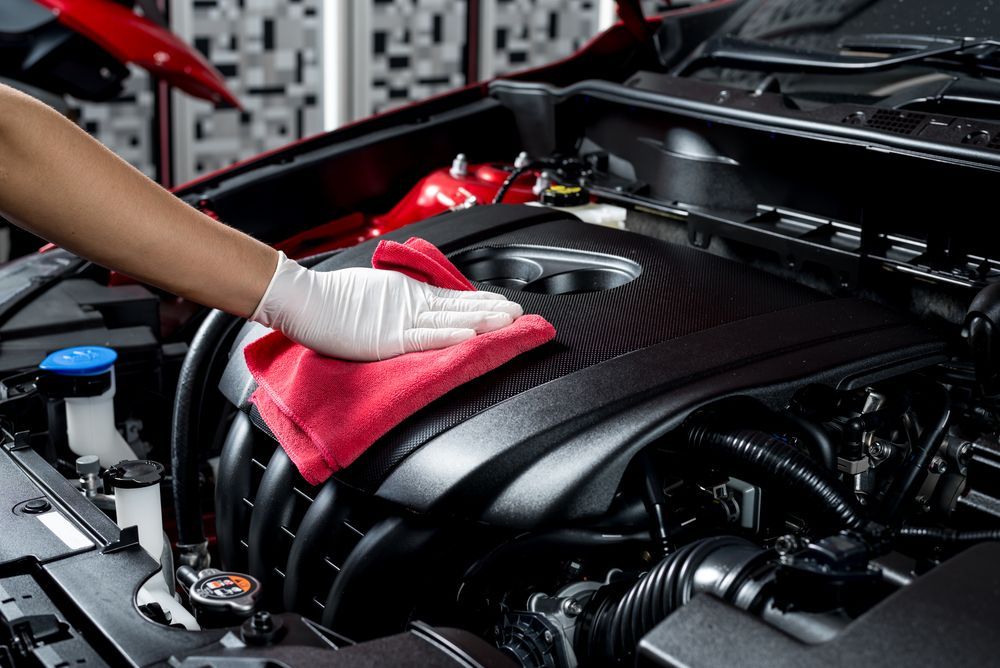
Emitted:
<point x="134" y="39"/>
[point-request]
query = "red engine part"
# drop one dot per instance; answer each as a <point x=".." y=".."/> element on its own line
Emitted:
<point x="436" y="193"/>
<point x="440" y="192"/>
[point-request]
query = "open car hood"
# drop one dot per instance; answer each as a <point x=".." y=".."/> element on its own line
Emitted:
<point x="134" y="39"/>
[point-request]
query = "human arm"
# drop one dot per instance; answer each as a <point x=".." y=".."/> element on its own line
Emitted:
<point x="61" y="184"/>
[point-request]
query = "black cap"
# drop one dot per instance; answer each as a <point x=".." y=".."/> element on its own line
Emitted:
<point x="557" y="195"/>
<point x="133" y="474"/>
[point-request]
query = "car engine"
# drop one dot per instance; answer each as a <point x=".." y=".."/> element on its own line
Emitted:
<point x="699" y="426"/>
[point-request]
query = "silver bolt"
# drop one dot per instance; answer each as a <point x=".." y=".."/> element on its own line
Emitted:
<point x="571" y="607"/>
<point x="938" y="465"/>
<point x="542" y="182"/>
<point x="459" y="166"/>
<point x="522" y="160"/>
<point x="548" y="636"/>
<point x="877" y="449"/>
<point x="786" y="544"/>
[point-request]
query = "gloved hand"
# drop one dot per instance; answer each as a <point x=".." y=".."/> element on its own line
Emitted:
<point x="372" y="314"/>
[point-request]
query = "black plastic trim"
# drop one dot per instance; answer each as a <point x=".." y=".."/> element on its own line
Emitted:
<point x="763" y="112"/>
<point x="944" y="618"/>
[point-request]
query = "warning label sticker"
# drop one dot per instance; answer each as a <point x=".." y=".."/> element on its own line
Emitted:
<point x="225" y="585"/>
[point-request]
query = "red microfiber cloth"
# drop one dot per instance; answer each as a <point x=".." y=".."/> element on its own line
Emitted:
<point x="326" y="412"/>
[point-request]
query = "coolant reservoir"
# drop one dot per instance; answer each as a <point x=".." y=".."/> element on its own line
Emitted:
<point x="136" y="485"/>
<point x="576" y="200"/>
<point x="137" y="500"/>
<point x="84" y="376"/>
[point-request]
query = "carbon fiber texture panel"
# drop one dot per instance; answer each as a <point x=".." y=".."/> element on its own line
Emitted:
<point x="680" y="291"/>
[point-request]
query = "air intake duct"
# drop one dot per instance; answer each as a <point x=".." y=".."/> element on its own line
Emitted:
<point x="615" y="620"/>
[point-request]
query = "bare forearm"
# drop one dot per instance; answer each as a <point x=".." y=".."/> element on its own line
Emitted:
<point x="61" y="184"/>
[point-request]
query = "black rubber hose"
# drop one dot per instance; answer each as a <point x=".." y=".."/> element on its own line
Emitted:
<point x="817" y="440"/>
<point x="615" y="621"/>
<point x="185" y="458"/>
<point x="913" y="471"/>
<point x="184" y="455"/>
<point x="948" y="536"/>
<point x="759" y="457"/>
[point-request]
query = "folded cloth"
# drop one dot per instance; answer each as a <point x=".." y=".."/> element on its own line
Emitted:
<point x="326" y="412"/>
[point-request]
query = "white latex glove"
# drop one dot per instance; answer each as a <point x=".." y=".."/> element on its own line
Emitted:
<point x="372" y="314"/>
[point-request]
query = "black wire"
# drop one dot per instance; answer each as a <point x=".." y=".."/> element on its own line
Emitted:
<point x="509" y="181"/>
<point x="913" y="470"/>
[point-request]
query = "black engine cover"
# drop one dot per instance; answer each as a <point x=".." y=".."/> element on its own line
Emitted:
<point x="647" y="331"/>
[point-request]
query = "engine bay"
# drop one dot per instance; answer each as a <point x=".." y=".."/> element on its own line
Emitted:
<point x="765" y="434"/>
<point x="712" y="428"/>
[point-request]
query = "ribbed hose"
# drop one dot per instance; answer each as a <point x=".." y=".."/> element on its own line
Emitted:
<point x="184" y="456"/>
<point x="615" y="624"/>
<point x="762" y="458"/>
<point x="817" y="440"/>
<point x="949" y="536"/>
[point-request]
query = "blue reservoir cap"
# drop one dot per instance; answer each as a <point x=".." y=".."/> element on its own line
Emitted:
<point x="80" y="361"/>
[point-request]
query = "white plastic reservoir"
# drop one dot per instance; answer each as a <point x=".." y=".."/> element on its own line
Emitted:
<point x="85" y="379"/>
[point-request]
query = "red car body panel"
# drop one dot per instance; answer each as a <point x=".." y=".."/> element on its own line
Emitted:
<point x="134" y="39"/>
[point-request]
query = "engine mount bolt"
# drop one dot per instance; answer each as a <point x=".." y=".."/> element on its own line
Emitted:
<point x="938" y="466"/>
<point x="571" y="607"/>
<point x="878" y="449"/>
<point x="786" y="544"/>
